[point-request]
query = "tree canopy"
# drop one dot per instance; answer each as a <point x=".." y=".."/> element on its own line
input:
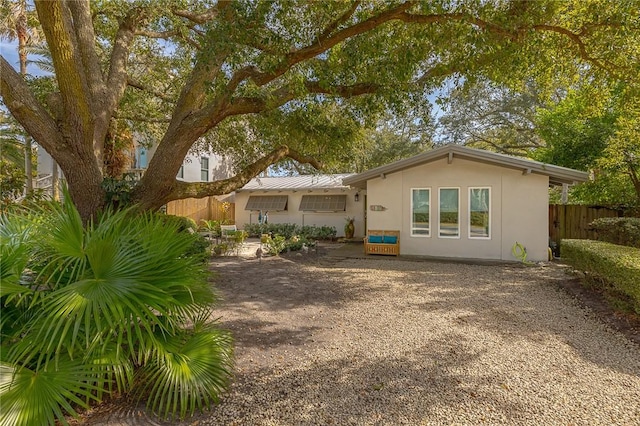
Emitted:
<point x="262" y="80"/>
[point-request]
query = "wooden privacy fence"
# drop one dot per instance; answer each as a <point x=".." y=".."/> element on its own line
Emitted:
<point x="572" y="221"/>
<point x="208" y="208"/>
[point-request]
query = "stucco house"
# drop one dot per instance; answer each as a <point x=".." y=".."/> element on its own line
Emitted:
<point x="461" y="202"/>
<point x="320" y="200"/>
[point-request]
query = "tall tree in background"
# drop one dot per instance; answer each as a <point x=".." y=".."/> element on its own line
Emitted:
<point x="595" y="129"/>
<point x="21" y="24"/>
<point x="221" y="63"/>
<point x="489" y="116"/>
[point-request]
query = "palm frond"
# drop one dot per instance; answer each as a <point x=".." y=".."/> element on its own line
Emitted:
<point x="189" y="372"/>
<point x="41" y="397"/>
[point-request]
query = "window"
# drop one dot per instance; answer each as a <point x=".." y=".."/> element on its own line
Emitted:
<point x="141" y="158"/>
<point x="449" y="213"/>
<point x="204" y="169"/>
<point x="323" y="203"/>
<point x="181" y="172"/>
<point x="267" y="202"/>
<point x="420" y="209"/>
<point x="479" y="212"/>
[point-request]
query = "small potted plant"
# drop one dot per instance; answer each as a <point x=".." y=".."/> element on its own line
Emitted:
<point x="349" y="228"/>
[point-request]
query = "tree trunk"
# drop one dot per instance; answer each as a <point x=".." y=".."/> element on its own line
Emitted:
<point x="28" y="164"/>
<point x="23" y="37"/>
<point x="55" y="181"/>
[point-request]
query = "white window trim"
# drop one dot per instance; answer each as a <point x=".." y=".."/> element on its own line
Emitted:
<point x="428" y="234"/>
<point x="469" y="211"/>
<point x="457" y="237"/>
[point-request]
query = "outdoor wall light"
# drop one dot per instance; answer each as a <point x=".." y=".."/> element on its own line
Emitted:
<point x="356" y="197"/>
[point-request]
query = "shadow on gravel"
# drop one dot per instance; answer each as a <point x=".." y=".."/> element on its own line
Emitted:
<point x="266" y="334"/>
<point x="409" y="388"/>
<point x="514" y="302"/>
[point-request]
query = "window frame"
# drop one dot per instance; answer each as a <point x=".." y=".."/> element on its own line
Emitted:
<point x="448" y="237"/>
<point x="411" y="222"/>
<point x="203" y="169"/>
<point x="488" y="188"/>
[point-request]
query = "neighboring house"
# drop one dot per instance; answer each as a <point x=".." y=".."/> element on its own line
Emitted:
<point x="200" y="167"/>
<point x="320" y="200"/>
<point x="460" y="202"/>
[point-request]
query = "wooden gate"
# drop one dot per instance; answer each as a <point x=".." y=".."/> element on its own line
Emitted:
<point x="572" y="221"/>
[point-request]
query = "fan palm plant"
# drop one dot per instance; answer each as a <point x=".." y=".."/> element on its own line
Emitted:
<point x="115" y="305"/>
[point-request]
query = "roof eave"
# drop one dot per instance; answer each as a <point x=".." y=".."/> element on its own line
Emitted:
<point x="557" y="174"/>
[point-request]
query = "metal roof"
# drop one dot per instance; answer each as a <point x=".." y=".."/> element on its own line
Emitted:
<point x="279" y="183"/>
<point x="557" y="175"/>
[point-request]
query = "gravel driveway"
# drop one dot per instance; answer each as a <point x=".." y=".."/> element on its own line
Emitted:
<point x="385" y="341"/>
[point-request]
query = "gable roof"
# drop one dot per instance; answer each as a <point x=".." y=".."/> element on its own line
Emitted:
<point x="280" y="183"/>
<point x="557" y="175"/>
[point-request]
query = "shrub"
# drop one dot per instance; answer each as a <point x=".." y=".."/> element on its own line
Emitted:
<point x="296" y="243"/>
<point x="288" y="230"/>
<point x="200" y="246"/>
<point x="113" y="306"/>
<point x="275" y="245"/>
<point x="318" y="232"/>
<point x="618" y="230"/>
<point x="615" y="266"/>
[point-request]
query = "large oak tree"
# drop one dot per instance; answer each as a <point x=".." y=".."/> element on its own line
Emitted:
<point x="194" y="69"/>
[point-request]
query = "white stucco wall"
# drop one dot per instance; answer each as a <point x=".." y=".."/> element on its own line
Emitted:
<point x="518" y="211"/>
<point x="293" y="215"/>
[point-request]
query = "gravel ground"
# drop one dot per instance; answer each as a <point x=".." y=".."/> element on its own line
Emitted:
<point x="385" y="341"/>
<point x="389" y="342"/>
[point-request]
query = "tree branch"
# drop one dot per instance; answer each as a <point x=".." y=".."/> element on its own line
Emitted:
<point x="57" y="26"/>
<point x="167" y="35"/>
<point x="582" y="48"/>
<point x="20" y="101"/>
<point x="341" y="20"/>
<point x="85" y="35"/>
<point x="320" y="46"/>
<point x="226" y="186"/>
<point x="140" y="86"/>
<point x="201" y="18"/>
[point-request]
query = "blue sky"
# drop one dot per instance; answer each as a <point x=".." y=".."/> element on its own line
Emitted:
<point x="9" y="51"/>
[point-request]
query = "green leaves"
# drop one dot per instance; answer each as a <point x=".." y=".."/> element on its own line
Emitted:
<point x="83" y="305"/>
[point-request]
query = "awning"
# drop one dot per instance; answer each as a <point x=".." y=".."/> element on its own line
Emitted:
<point x="323" y="203"/>
<point x="267" y="202"/>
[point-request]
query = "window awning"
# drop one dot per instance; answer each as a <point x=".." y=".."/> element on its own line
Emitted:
<point x="323" y="203"/>
<point x="267" y="202"/>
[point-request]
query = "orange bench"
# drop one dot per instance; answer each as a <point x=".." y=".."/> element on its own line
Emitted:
<point x="382" y="242"/>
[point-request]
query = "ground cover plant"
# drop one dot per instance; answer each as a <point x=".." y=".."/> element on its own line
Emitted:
<point x="115" y="306"/>
<point x="611" y="268"/>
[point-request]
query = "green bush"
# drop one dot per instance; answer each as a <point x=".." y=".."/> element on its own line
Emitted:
<point x="618" y="230"/>
<point x="296" y="243"/>
<point x="288" y="230"/>
<point x="200" y="247"/>
<point x="112" y="307"/>
<point x="615" y="266"/>
<point x="276" y="245"/>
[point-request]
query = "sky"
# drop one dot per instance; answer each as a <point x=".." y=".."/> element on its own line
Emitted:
<point x="9" y="50"/>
